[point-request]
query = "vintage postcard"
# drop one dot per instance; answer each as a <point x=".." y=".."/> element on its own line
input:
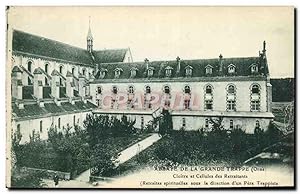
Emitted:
<point x="150" y="97"/>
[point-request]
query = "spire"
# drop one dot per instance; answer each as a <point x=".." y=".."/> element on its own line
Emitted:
<point x="89" y="38"/>
<point x="89" y="35"/>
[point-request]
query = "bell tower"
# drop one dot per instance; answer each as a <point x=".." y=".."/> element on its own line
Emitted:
<point x="89" y="38"/>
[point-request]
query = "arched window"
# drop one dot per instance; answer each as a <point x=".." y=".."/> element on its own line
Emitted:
<point x="167" y="90"/>
<point x="257" y="124"/>
<point x="148" y="90"/>
<point x="231" y="89"/>
<point x="131" y="89"/>
<point x="255" y="89"/>
<point x="187" y="89"/>
<point x="231" y="98"/>
<point x="60" y="69"/>
<point x="208" y="98"/>
<point x="187" y="97"/>
<point x="29" y="66"/>
<point x="73" y="70"/>
<point x="18" y="127"/>
<point x="83" y="72"/>
<point x="46" y="67"/>
<point x="99" y="90"/>
<point x="255" y="97"/>
<point x="115" y="90"/>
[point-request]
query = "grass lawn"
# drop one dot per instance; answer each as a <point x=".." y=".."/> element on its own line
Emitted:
<point x="47" y="158"/>
<point x="192" y="149"/>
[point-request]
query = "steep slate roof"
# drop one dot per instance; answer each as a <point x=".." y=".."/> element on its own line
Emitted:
<point x="109" y="56"/>
<point x="242" y="67"/>
<point x="37" y="45"/>
<point x="51" y="108"/>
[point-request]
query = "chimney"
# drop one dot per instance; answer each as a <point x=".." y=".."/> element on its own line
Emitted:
<point x="220" y="64"/>
<point x="264" y="48"/>
<point x="16" y="83"/>
<point x="81" y="85"/>
<point x="55" y="84"/>
<point x="70" y="85"/>
<point x="38" y="83"/>
<point x="178" y="65"/>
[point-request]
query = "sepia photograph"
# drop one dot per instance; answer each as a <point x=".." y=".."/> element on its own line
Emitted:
<point x="150" y="97"/>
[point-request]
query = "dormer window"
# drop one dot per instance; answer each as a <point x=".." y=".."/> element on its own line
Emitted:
<point x="208" y="70"/>
<point x="254" y="68"/>
<point x="231" y="69"/>
<point x="188" y="71"/>
<point x="118" y="72"/>
<point x="150" y="71"/>
<point x="169" y="71"/>
<point x="133" y="72"/>
<point x="102" y="73"/>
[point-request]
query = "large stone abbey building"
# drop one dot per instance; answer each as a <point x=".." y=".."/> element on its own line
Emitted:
<point x="56" y="84"/>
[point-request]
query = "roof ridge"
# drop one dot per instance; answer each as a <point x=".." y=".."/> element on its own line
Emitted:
<point x="49" y="39"/>
<point x="162" y="61"/>
<point x="111" y="49"/>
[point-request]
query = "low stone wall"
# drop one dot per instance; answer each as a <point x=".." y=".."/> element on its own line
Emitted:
<point x="48" y="173"/>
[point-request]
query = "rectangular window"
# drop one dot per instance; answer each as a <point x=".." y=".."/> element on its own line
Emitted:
<point x="188" y="72"/>
<point x="58" y="123"/>
<point x="183" y="122"/>
<point x="99" y="91"/>
<point x="18" y="127"/>
<point x="186" y="104"/>
<point x="74" y="120"/>
<point x="98" y="102"/>
<point x="231" y="124"/>
<point x="255" y="105"/>
<point x="231" y="105"/>
<point x="208" y="105"/>
<point x="41" y="126"/>
<point x="208" y="70"/>
<point x="142" y="122"/>
<point x="206" y="123"/>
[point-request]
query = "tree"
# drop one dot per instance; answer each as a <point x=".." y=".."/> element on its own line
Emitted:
<point x="166" y="123"/>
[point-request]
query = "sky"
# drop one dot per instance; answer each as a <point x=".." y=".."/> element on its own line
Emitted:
<point x="163" y="33"/>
